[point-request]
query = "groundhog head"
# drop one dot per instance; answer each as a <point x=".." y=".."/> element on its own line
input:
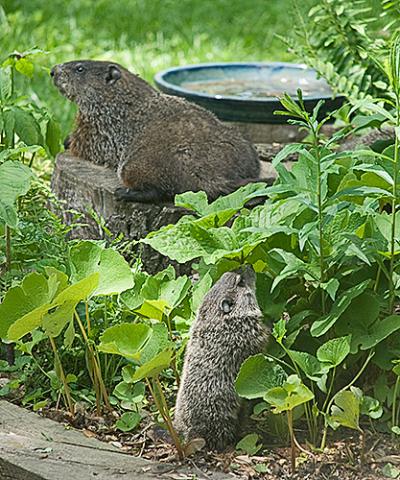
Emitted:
<point x="233" y="296"/>
<point x="89" y="83"/>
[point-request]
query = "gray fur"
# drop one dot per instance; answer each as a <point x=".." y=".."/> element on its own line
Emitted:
<point x="207" y="405"/>
<point x="156" y="142"/>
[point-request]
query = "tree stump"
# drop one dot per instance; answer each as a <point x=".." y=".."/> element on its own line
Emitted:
<point x="89" y="189"/>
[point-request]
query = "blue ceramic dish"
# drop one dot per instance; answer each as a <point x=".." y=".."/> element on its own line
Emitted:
<point x="247" y="92"/>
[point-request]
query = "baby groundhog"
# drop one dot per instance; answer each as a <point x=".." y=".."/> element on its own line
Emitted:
<point x="227" y="330"/>
<point x="160" y="145"/>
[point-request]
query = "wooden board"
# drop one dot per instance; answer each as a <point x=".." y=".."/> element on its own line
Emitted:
<point x="36" y="448"/>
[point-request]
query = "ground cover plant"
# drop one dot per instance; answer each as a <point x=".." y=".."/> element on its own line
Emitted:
<point x="99" y="334"/>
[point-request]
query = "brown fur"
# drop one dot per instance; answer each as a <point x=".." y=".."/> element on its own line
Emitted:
<point x="227" y="330"/>
<point x="160" y="145"/>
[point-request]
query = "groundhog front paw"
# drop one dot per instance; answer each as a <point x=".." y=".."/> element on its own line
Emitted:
<point x="146" y="196"/>
<point x="122" y="193"/>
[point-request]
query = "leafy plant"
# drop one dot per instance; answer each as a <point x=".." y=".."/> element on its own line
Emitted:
<point x="325" y="247"/>
<point x="338" y="39"/>
<point x="150" y="349"/>
<point x="49" y="301"/>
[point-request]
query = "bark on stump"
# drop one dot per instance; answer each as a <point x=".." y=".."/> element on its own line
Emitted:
<point x="85" y="187"/>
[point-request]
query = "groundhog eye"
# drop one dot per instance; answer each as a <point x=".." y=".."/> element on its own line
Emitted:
<point x="79" y="68"/>
<point x="226" y="305"/>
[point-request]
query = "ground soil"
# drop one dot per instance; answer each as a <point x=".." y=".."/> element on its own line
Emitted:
<point x="341" y="459"/>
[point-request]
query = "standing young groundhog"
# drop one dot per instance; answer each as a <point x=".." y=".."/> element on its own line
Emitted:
<point x="227" y="330"/>
<point x="160" y="145"/>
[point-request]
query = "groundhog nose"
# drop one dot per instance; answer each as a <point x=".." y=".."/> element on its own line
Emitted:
<point x="247" y="275"/>
<point x="54" y="70"/>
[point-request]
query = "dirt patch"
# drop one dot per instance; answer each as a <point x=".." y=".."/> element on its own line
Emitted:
<point x="341" y="460"/>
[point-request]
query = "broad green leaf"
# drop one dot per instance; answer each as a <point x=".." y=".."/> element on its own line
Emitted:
<point x="331" y="287"/>
<point x="379" y="331"/>
<point x="8" y="126"/>
<point x="153" y="309"/>
<point x="279" y="330"/>
<point x="359" y="317"/>
<point x="55" y="313"/>
<point x="57" y="281"/>
<point x="237" y="199"/>
<point x="53" y="322"/>
<point x="69" y="335"/>
<point x="163" y="294"/>
<point x="129" y="392"/>
<point x="249" y="444"/>
<point x="27" y="127"/>
<point x="125" y="339"/>
<point x="27" y="323"/>
<point x="257" y="375"/>
<point x="189" y="240"/>
<point x="334" y="351"/>
<point x="320" y="327"/>
<point x="196" y="201"/>
<point x="371" y="407"/>
<point x="290" y="395"/>
<point x="391" y="471"/>
<point x="293" y="267"/>
<point x="8" y="214"/>
<point x="287" y="150"/>
<point x="19" y="301"/>
<point x="87" y="257"/>
<point x="158" y="341"/>
<point x="155" y="366"/>
<point x="128" y="421"/>
<point x="5" y="83"/>
<point x="199" y="291"/>
<point x="53" y="137"/>
<point x="25" y="66"/>
<point x="133" y="298"/>
<point x="383" y="222"/>
<point x="230" y="203"/>
<point x="308" y="364"/>
<point x="78" y="291"/>
<point x="346" y="410"/>
<point x="15" y="180"/>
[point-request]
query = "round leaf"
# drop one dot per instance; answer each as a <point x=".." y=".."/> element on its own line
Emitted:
<point x="257" y="375"/>
<point x="125" y="339"/>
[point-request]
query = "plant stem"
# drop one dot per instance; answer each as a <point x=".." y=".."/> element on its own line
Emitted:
<point x="394" y="204"/>
<point x="360" y="372"/>
<point x="63" y="378"/>
<point x="362" y="453"/>
<point x="157" y="393"/>
<point x="8" y="247"/>
<point x="307" y="411"/>
<point x="173" y="363"/>
<point x="10" y="354"/>
<point x="394" y="403"/>
<point x="329" y="389"/>
<point x="320" y="227"/>
<point x="95" y="364"/>
<point x="292" y="441"/>
<point x="87" y="318"/>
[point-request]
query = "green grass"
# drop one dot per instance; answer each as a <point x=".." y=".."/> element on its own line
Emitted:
<point x="144" y="35"/>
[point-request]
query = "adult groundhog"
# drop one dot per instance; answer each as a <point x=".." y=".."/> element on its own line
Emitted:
<point x="159" y="144"/>
<point x="226" y="331"/>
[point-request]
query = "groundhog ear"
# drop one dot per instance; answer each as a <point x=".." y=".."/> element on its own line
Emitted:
<point x="113" y="74"/>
